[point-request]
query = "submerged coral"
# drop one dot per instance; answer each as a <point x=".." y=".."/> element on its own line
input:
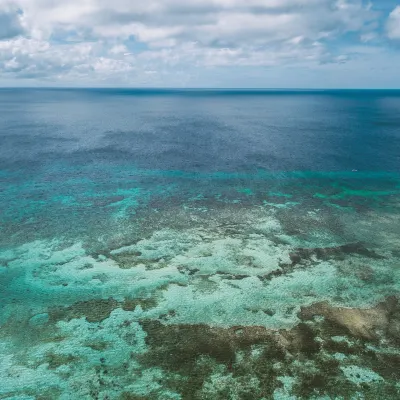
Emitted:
<point x="231" y="306"/>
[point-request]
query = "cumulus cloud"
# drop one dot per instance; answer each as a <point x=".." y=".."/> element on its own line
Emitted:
<point x="10" y="20"/>
<point x="393" y="24"/>
<point x="99" y="38"/>
<point x="210" y="22"/>
<point x="32" y="58"/>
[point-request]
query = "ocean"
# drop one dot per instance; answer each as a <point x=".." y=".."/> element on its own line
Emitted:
<point x="199" y="244"/>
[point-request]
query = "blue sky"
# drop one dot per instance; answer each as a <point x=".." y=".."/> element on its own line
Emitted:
<point x="200" y="43"/>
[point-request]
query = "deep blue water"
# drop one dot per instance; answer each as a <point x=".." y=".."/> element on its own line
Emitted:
<point x="207" y="209"/>
<point x="61" y="149"/>
<point x="202" y="130"/>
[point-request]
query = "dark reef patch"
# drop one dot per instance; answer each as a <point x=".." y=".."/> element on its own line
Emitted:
<point x="312" y="353"/>
<point x="95" y="310"/>
<point x="338" y="252"/>
<point x="129" y="304"/>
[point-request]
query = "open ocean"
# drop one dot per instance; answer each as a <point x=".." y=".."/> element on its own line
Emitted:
<point x="199" y="244"/>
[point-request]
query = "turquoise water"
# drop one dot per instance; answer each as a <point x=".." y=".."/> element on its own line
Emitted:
<point x="199" y="244"/>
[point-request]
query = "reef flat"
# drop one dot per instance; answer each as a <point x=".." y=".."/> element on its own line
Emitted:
<point x="268" y="302"/>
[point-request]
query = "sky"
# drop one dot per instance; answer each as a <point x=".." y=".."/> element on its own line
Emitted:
<point x="200" y="43"/>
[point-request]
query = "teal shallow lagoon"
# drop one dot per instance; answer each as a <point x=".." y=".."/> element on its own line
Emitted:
<point x="199" y="247"/>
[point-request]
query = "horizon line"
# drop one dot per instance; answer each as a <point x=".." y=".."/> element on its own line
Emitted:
<point x="142" y="88"/>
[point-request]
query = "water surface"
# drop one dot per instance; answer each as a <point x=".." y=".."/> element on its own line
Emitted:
<point x="199" y="244"/>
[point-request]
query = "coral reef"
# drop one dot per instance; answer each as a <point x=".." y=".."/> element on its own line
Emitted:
<point x="268" y="303"/>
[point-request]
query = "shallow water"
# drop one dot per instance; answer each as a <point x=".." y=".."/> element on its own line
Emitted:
<point x="199" y="244"/>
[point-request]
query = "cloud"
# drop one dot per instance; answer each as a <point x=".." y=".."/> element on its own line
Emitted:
<point x="99" y="39"/>
<point x="210" y="22"/>
<point x="393" y="24"/>
<point x="32" y="58"/>
<point x="119" y="49"/>
<point x="10" y="21"/>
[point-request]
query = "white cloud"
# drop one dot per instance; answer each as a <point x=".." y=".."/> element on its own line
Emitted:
<point x="393" y="24"/>
<point x="118" y="49"/>
<point x="10" y="20"/>
<point x="92" y="38"/>
<point x="207" y="21"/>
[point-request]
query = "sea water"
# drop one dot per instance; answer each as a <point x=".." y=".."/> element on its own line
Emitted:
<point x="199" y="244"/>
